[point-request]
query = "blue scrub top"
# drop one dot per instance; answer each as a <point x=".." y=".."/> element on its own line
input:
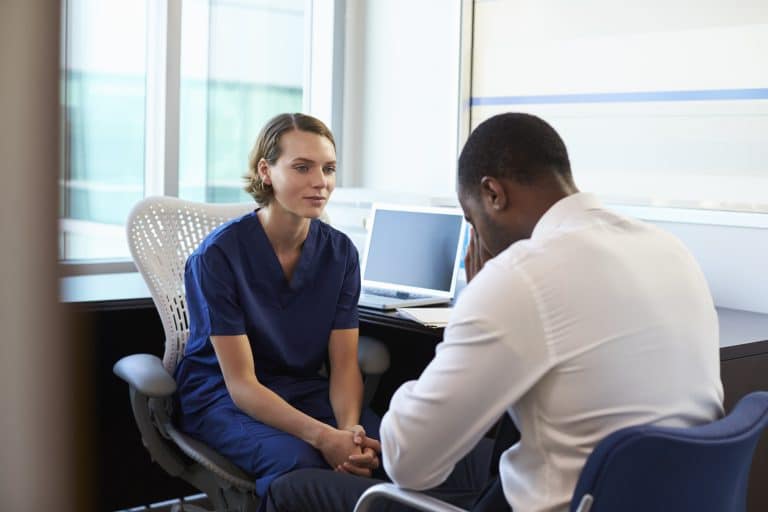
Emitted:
<point x="235" y="285"/>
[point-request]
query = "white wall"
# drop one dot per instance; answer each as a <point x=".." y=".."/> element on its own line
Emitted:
<point x="732" y="258"/>
<point x="730" y="247"/>
<point x="733" y="261"/>
<point x="402" y="96"/>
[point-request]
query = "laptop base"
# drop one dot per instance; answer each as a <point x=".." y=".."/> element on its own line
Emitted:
<point x="389" y="303"/>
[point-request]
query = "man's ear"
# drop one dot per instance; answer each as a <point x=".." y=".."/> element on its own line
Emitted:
<point x="493" y="194"/>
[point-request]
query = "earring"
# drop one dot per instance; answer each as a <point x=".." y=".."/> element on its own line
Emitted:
<point x="261" y="184"/>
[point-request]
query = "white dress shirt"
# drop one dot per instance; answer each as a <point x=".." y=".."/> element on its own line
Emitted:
<point x="595" y="323"/>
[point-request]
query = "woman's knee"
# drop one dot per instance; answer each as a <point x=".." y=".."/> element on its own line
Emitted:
<point x="308" y="457"/>
<point x="292" y="453"/>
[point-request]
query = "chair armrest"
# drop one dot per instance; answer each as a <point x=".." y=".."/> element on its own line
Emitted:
<point x="414" y="499"/>
<point x="372" y="356"/>
<point x="146" y="374"/>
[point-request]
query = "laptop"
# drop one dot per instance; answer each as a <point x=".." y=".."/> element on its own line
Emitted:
<point x="411" y="256"/>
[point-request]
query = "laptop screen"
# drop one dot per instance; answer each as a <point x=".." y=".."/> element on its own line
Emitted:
<point x="414" y="249"/>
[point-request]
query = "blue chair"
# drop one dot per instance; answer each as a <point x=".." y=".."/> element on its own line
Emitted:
<point x="648" y="468"/>
<point x="702" y="468"/>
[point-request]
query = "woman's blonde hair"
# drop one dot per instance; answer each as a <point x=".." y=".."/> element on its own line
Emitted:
<point x="267" y="146"/>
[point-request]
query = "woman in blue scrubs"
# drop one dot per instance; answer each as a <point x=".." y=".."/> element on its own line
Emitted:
<point x="272" y="296"/>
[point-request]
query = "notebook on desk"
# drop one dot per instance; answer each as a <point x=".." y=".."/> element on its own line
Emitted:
<point x="411" y="256"/>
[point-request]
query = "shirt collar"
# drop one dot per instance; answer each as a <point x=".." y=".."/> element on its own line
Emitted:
<point x="564" y="209"/>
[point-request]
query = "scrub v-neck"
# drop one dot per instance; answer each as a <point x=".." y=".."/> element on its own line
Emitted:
<point x="285" y="288"/>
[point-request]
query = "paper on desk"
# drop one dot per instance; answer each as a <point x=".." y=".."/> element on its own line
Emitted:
<point x="430" y="317"/>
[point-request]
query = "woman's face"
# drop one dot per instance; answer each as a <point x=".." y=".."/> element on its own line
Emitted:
<point x="304" y="175"/>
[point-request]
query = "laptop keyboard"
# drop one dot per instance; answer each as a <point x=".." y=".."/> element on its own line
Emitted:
<point x="382" y="292"/>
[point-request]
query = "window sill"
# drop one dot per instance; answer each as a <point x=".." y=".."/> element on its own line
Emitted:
<point x="91" y="267"/>
<point x="125" y="290"/>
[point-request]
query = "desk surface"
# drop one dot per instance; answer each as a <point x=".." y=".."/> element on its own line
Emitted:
<point x="127" y="291"/>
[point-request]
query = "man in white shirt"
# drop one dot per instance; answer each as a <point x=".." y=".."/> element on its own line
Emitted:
<point x="576" y="322"/>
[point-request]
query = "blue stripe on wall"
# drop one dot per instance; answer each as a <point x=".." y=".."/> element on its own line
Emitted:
<point x="624" y="97"/>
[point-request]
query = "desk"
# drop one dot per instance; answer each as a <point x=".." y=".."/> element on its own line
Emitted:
<point x="107" y="292"/>
<point x="118" y="318"/>
<point x="392" y="320"/>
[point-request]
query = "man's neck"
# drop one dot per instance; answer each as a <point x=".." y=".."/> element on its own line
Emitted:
<point x="532" y="202"/>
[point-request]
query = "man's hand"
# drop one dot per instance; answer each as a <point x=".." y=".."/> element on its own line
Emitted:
<point x="476" y="255"/>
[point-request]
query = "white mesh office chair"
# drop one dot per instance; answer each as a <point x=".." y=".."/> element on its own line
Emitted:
<point x="162" y="233"/>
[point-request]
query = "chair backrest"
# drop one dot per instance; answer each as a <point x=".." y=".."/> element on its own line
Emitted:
<point x="162" y="233"/>
<point x="702" y="468"/>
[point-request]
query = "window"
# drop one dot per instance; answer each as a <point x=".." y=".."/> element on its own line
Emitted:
<point x="250" y="70"/>
<point x="104" y="75"/>
<point x="166" y="97"/>
<point x="660" y="104"/>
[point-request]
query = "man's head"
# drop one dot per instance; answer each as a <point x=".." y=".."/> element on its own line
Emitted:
<point x="512" y="169"/>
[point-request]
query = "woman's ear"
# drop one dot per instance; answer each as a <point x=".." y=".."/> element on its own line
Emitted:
<point x="263" y="169"/>
<point x="493" y="195"/>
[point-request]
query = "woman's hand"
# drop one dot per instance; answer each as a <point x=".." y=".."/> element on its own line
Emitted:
<point x="337" y="446"/>
<point x="364" y="463"/>
<point x="476" y="255"/>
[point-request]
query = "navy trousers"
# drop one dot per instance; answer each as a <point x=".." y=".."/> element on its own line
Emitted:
<point x="261" y="450"/>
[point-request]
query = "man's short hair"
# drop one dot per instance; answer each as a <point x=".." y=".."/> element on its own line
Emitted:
<point x="517" y="146"/>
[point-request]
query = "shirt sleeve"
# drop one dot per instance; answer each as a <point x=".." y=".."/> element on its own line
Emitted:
<point x="493" y="352"/>
<point x="211" y="281"/>
<point x="346" y="307"/>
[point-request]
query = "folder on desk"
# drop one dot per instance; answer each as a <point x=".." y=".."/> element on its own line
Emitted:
<point x="429" y="317"/>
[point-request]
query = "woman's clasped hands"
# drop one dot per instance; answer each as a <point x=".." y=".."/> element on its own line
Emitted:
<point x="350" y="450"/>
<point x="367" y="461"/>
